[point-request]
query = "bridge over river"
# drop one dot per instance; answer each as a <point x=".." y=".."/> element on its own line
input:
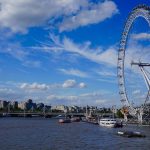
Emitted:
<point x="47" y="114"/>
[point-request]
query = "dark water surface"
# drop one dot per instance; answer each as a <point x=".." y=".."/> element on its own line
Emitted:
<point x="48" y="134"/>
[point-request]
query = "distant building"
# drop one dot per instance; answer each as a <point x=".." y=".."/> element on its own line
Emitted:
<point x="40" y="106"/>
<point x="28" y="105"/>
<point x="22" y="105"/>
<point x="74" y="109"/>
<point x="3" y="104"/>
<point x="14" y="104"/>
<point x="48" y="108"/>
<point x="60" y="108"/>
<point x="71" y="109"/>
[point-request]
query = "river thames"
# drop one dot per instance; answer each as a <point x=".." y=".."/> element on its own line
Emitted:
<point x="48" y="134"/>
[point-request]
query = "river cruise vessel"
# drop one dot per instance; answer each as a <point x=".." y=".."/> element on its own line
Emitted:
<point x="110" y="122"/>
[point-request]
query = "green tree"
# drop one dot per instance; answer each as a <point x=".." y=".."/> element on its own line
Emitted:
<point x="119" y="113"/>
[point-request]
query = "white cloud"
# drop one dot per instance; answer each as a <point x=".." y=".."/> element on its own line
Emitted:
<point x="34" y="86"/>
<point x="44" y="93"/>
<point x="6" y="91"/>
<point x="107" y="73"/>
<point x="34" y="64"/>
<point x="100" y="101"/>
<point x="73" y="84"/>
<point x="82" y="85"/>
<point x="93" y="99"/>
<point x="141" y="36"/>
<point x="16" y="51"/>
<point x="69" y="84"/>
<point x="110" y="81"/>
<point x="74" y="72"/>
<point x="98" y="55"/>
<point x="19" y="15"/>
<point x="59" y="97"/>
<point x="94" y="14"/>
<point x="136" y="92"/>
<point x="92" y="94"/>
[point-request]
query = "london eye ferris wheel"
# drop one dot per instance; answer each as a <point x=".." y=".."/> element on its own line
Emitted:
<point x="144" y="12"/>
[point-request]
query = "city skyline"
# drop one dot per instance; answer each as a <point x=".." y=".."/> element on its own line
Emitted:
<point x="65" y="51"/>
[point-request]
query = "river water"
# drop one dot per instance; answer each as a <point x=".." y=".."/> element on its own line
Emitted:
<point x="48" y="134"/>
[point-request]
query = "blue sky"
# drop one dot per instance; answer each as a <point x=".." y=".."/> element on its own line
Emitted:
<point x="65" y="51"/>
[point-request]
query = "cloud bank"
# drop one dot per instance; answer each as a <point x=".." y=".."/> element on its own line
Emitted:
<point x="19" y="15"/>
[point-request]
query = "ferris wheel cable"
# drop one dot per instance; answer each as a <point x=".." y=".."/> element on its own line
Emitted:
<point x="139" y="11"/>
<point x="147" y="71"/>
<point x="144" y="71"/>
<point x="147" y="99"/>
<point x="146" y="78"/>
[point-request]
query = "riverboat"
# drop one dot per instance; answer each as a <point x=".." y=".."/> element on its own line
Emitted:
<point x="75" y="119"/>
<point x="130" y="134"/>
<point x="90" y="120"/>
<point x="110" y="122"/>
<point x="64" y="121"/>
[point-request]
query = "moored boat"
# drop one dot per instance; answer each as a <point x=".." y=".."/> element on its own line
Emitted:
<point x="75" y="119"/>
<point x="130" y="134"/>
<point x="110" y="122"/>
<point x="64" y="121"/>
<point x="90" y="120"/>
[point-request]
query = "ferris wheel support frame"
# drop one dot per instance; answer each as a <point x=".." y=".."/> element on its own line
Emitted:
<point x="139" y="11"/>
<point x="147" y="81"/>
<point x="145" y="76"/>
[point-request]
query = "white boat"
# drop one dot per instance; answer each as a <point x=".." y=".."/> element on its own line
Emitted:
<point x="110" y="122"/>
<point x="60" y="117"/>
